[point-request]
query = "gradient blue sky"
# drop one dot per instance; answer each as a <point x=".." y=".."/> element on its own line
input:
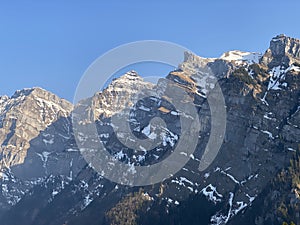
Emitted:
<point x="51" y="43"/>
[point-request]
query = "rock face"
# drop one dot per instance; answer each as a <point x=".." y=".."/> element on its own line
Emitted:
<point x="45" y="180"/>
<point x="283" y="51"/>
<point x="23" y="117"/>
<point x="115" y="97"/>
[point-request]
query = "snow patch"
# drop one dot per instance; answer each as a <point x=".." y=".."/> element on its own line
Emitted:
<point x="212" y="194"/>
<point x="242" y="57"/>
<point x="268" y="133"/>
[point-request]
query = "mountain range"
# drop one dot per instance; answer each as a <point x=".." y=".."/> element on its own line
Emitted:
<point x="254" y="179"/>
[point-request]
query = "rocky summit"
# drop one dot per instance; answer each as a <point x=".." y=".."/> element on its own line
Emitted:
<point x="254" y="179"/>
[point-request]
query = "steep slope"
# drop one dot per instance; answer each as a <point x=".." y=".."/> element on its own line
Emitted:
<point x="283" y="51"/>
<point x="116" y="96"/>
<point x="52" y="171"/>
<point x="45" y="179"/>
<point x="23" y="117"/>
<point x="261" y="102"/>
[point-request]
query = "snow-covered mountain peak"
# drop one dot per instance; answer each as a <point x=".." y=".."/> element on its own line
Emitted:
<point x="23" y="116"/>
<point x="130" y="76"/>
<point x="128" y="80"/>
<point x="240" y="56"/>
<point x="28" y="91"/>
<point x="40" y="94"/>
<point x="117" y="95"/>
<point x="131" y="73"/>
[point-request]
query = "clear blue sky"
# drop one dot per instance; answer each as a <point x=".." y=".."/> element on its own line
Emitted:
<point x="51" y="43"/>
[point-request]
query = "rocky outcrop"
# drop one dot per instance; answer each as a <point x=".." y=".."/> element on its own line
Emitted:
<point x="283" y="51"/>
<point x="116" y="96"/>
<point x="23" y="117"/>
